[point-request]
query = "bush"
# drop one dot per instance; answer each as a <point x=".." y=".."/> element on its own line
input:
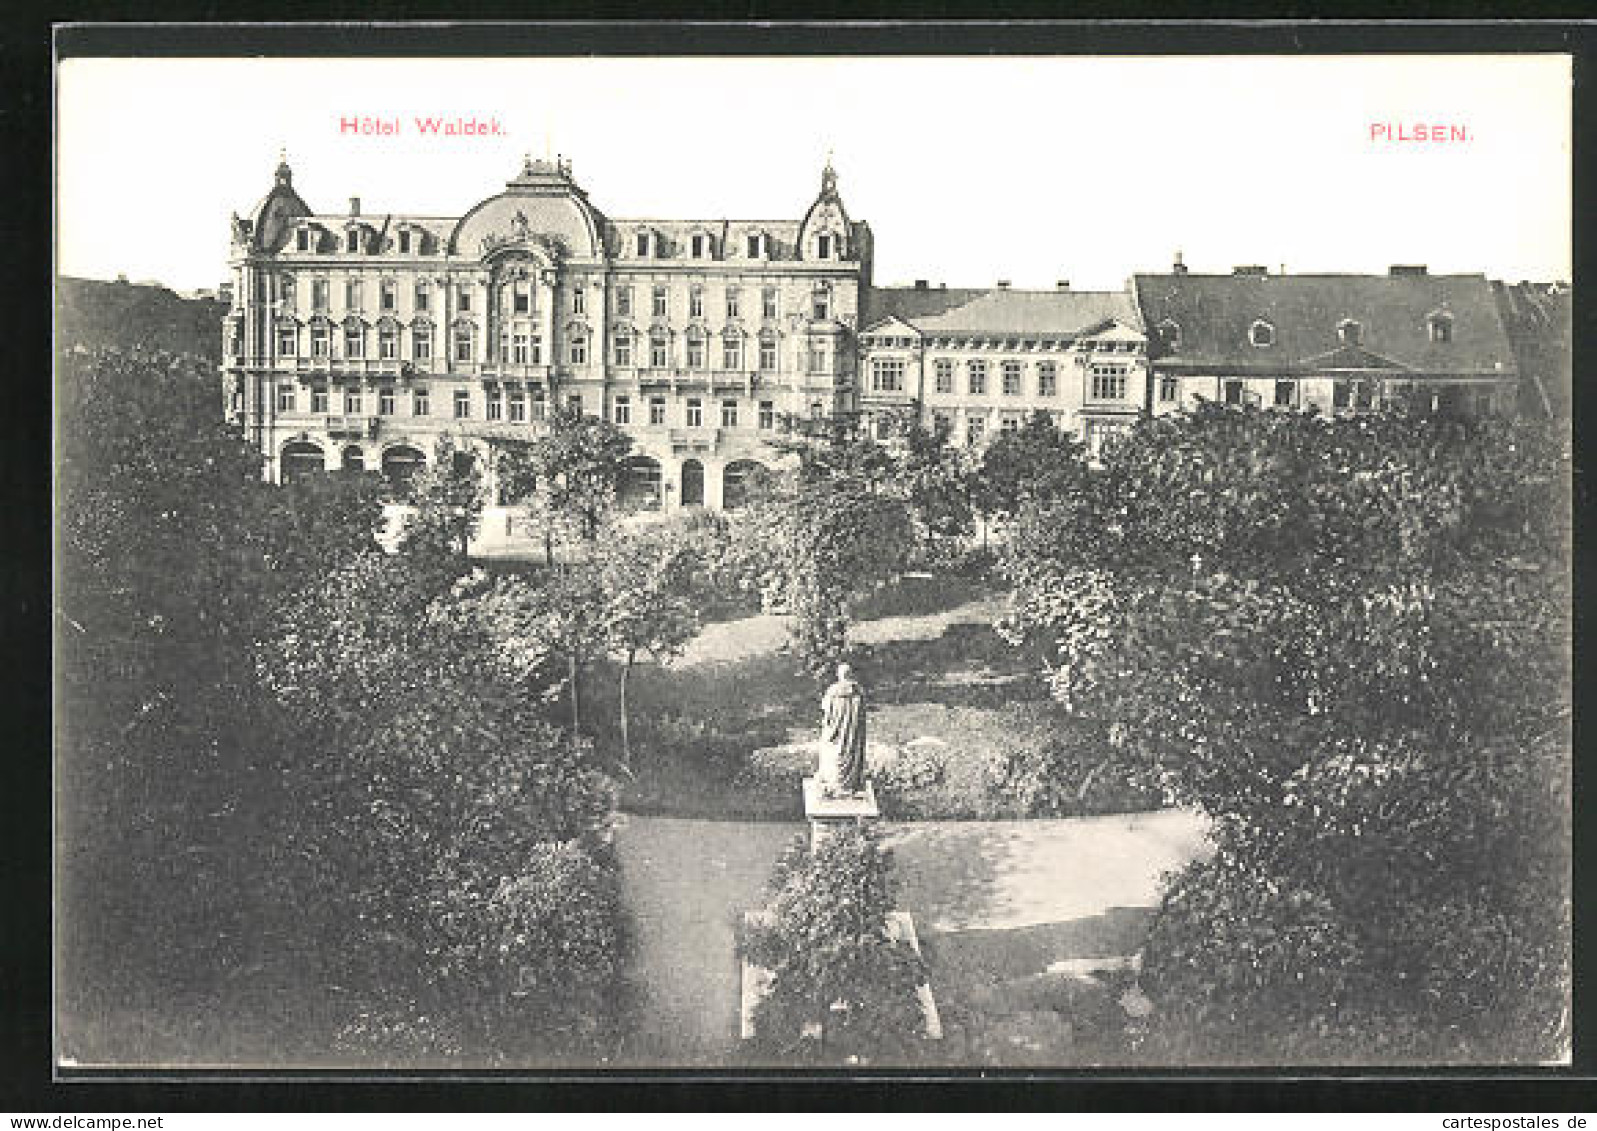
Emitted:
<point x="1075" y="772"/>
<point x="831" y="958"/>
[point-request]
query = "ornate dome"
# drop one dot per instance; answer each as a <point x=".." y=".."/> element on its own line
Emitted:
<point x="541" y="205"/>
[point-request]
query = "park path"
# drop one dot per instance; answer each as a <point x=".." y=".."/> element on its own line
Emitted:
<point x="1000" y="899"/>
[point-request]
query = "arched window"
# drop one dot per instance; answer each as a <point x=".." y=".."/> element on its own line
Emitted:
<point x="388" y="340"/>
<point x="732" y="351"/>
<point x="354" y="339"/>
<point x="695" y="348"/>
<point x="821" y="303"/>
<point x="1441" y="325"/>
<point x="1350" y="332"/>
<point x="464" y="333"/>
<point x="768" y="358"/>
<point x="1262" y="334"/>
<point x="659" y="350"/>
<point x="1170" y="334"/>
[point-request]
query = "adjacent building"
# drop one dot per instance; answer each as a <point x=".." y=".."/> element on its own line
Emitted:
<point x="355" y="340"/>
<point x="1335" y="343"/>
<point x="978" y="362"/>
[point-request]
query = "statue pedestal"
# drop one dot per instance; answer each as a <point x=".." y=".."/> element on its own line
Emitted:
<point x="827" y="813"/>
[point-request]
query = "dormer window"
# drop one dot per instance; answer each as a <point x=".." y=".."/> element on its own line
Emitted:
<point x="404" y="241"/>
<point x="1170" y="334"/>
<point x="1350" y="332"/>
<point x="1441" y="327"/>
<point x="352" y="240"/>
<point x="759" y="245"/>
<point x="302" y="239"/>
<point x="698" y="243"/>
<point x="823" y="246"/>
<point x="1262" y="335"/>
<point x="388" y="293"/>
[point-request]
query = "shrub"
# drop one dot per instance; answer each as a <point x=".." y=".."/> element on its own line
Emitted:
<point x="831" y="958"/>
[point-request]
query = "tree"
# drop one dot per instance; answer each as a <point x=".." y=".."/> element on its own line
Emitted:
<point x="448" y="498"/>
<point x="650" y="603"/>
<point x="832" y="960"/>
<point x="1304" y="627"/>
<point x="1038" y="463"/>
<point x="938" y="484"/>
<point x="573" y="471"/>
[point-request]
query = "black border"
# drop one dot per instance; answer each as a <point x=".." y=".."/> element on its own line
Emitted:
<point x="26" y="223"/>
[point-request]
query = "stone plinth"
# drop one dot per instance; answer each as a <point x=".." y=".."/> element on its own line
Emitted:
<point x="827" y="813"/>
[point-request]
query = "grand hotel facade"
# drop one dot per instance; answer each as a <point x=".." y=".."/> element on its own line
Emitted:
<point x="355" y="341"/>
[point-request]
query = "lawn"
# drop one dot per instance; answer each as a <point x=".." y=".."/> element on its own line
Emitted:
<point x="956" y="712"/>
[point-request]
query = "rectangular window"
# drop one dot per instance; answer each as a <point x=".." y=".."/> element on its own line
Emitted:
<point x="354" y="341"/>
<point x="579" y="298"/>
<point x="574" y="402"/>
<point x="656" y="410"/>
<point x="1011" y="379"/>
<point x="1047" y="379"/>
<point x="303" y="239"/>
<point x="579" y="351"/>
<point x="1364" y="394"/>
<point x="385" y="402"/>
<point x="495" y="405"/>
<point x="352" y="241"/>
<point x="462" y="343"/>
<point x="943" y="375"/>
<point x="424" y="297"/>
<point x="464" y="297"/>
<point x="732" y="353"/>
<point x="767" y="356"/>
<point x="1109" y="382"/>
<point x="976" y="378"/>
<point x="518" y="407"/>
<point x="821" y="304"/>
<point x="421" y="340"/>
<point x="1233" y="392"/>
<point x="388" y="342"/>
<point x="352" y="294"/>
<point x="623" y="410"/>
<point x="729" y="414"/>
<point x="696" y="303"/>
<point x="520" y="345"/>
<point x="319" y="294"/>
<point x="623" y="350"/>
<point x="659" y="302"/>
<point x="420" y="405"/>
<point x="1169" y="389"/>
<point x="540" y="405"/>
<point x="319" y="339"/>
<point x="624" y="302"/>
<point x="285" y="290"/>
<point x="1283" y="393"/>
<point x="942" y="425"/>
<point x="823" y="246"/>
<point x="354" y="402"/>
<point x="1009" y="424"/>
<point x="695" y="413"/>
<point x="643" y="243"/>
<point x="975" y="427"/>
<point x="319" y="399"/>
<point x="285" y="398"/>
<point x="698" y="247"/>
<point x="767" y="415"/>
<point x="404" y="241"/>
<point x="659" y="353"/>
<point x="388" y="294"/>
<point x="287" y="339"/>
<point x="754" y="247"/>
<point x="732" y="302"/>
<point x="695" y="353"/>
<point x="768" y="305"/>
<point x="521" y="299"/>
<point x="887" y="374"/>
<point x="817" y="357"/>
<point x="462" y="404"/>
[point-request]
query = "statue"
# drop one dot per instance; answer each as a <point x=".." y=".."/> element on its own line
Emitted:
<point x="842" y="746"/>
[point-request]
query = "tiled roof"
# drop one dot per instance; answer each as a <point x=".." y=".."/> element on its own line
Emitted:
<point x="1216" y="314"/>
<point x="999" y="311"/>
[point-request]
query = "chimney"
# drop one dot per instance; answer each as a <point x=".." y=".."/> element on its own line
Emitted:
<point x="1252" y="269"/>
<point x="1062" y="284"/>
<point x="1408" y="269"/>
<point x="942" y="286"/>
<point x="354" y="206"/>
<point x="1178" y="267"/>
<point x="921" y="285"/>
<point x="1003" y="284"/>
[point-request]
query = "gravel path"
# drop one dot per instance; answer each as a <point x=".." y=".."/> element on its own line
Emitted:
<point x="1000" y="898"/>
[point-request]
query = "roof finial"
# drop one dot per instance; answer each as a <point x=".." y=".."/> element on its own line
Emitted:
<point x="828" y="176"/>
<point x="285" y="175"/>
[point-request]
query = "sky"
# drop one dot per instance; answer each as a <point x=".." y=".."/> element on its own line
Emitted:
<point x="969" y="170"/>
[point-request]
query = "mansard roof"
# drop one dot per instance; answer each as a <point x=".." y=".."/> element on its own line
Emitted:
<point x="1394" y="313"/>
<point x="1000" y="311"/>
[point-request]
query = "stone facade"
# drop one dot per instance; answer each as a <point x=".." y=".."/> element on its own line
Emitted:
<point x="356" y="341"/>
